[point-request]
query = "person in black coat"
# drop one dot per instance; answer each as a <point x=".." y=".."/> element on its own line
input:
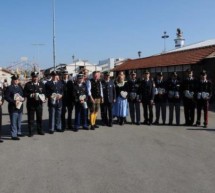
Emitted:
<point x="174" y="97"/>
<point x="147" y="97"/>
<point x="67" y="101"/>
<point x="1" y="103"/>
<point x="160" y="98"/>
<point x="34" y="91"/>
<point x="109" y="93"/>
<point x="134" y="98"/>
<point x="204" y="93"/>
<point x="188" y="87"/>
<point x="14" y="96"/>
<point x="54" y="93"/>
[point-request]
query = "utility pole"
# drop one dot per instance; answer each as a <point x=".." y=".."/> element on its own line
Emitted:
<point x="54" y="51"/>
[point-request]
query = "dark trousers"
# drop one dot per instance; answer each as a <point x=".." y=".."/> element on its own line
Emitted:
<point x="31" y="110"/>
<point x="134" y="109"/>
<point x="202" y="105"/>
<point x="160" y="107"/>
<point x="173" y="106"/>
<point x="148" y="112"/>
<point x="107" y="113"/>
<point x="189" y="111"/>
<point x="0" y="122"/>
<point x="80" y="116"/>
<point x="66" y="108"/>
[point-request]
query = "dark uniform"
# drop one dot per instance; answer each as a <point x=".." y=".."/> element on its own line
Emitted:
<point x="1" y="101"/>
<point x="160" y="99"/>
<point x="174" y="98"/>
<point x="67" y="103"/>
<point x="147" y="98"/>
<point x="188" y="87"/>
<point x="34" y="104"/>
<point x="204" y="93"/>
<point x="55" y="106"/>
<point x="134" y="100"/>
<point x="80" y="105"/>
<point x="15" y="112"/>
<point x="109" y="92"/>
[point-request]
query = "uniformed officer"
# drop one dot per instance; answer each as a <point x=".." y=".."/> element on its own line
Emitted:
<point x="1" y="103"/>
<point x="54" y="93"/>
<point x="14" y="96"/>
<point x="95" y="93"/>
<point x="189" y="91"/>
<point x="160" y="98"/>
<point x="80" y="97"/>
<point x="67" y="101"/>
<point x="134" y="98"/>
<point x="34" y="91"/>
<point x="204" y="93"/>
<point x="109" y="93"/>
<point x="147" y="97"/>
<point x="174" y="97"/>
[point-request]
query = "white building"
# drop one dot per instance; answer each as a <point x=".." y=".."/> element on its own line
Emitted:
<point x="78" y="65"/>
<point x="110" y="63"/>
<point x="5" y="75"/>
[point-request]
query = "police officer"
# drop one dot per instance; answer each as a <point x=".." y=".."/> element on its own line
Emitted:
<point x="14" y="96"/>
<point x="1" y="103"/>
<point x="174" y="97"/>
<point x="95" y="93"/>
<point x="80" y="97"/>
<point x="133" y="98"/>
<point x="109" y="92"/>
<point x="67" y="101"/>
<point x="54" y="93"/>
<point x="147" y="97"/>
<point x="160" y="98"/>
<point x="34" y="91"/>
<point x="204" y="93"/>
<point x="189" y="90"/>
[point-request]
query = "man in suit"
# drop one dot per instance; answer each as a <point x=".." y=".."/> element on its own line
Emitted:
<point x="34" y="91"/>
<point x="67" y="101"/>
<point x="14" y="96"/>
<point x="147" y="97"/>
<point x="54" y="93"/>
<point x="109" y="92"/>
<point x="204" y="93"/>
<point x="160" y="98"/>
<point x="134" y="98"/>
<point x="188" y="87"/>
<point x="174" y="97"/>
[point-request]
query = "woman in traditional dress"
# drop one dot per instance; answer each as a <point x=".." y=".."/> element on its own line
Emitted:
<point x="120" y="108"/>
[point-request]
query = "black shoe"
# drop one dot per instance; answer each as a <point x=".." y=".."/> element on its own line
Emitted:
<point x="75" y="129"/>
<point x="41" y="133"/>
<point x="59" y="130"/>
<point x="138" y="123"/>
<point x="205" y="126"/>
<point x="86" y="128"/>
<point x="1" y="141"/>
<point x="15" y="138"/>
<point x="156" y="123"/>
<point x="110" y="125"/>
<point x="30" y="135"/>
<point x="51" y="132"/>
<point x="96" y="126"/>
<point x="92" y="127"/>
<point x="21" y="135"/>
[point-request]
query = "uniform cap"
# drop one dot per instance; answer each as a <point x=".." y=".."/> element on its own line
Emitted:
<point x="15" y="77"/>
<point x="107" y="73"/>
<point x="54" y="73"/>
<point x="159" y="74"/>
<point x="65" y="72"/>
<point x="79" y="76"/>
<point x="189" y="70"/>
<point x="133" y="72"/>
<point x="146" y="72"/>
<point x="34" y="74"/>
<point x="174" y="74"/>
<point x="203" y="72"/>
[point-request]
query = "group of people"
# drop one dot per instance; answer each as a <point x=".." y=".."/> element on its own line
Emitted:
<point x="114" y="97"/>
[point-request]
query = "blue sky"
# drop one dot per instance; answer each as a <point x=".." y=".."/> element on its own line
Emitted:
<point x="98" y="29"/>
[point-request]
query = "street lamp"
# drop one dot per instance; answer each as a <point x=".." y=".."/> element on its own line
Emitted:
<point x="54" y="51"/>
<point x="165" y="36"/>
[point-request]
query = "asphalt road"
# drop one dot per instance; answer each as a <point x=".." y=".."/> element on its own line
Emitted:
<point x="121" y="159"/>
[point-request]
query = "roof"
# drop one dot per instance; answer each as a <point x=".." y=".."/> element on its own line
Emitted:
<point x="188" y="56"/>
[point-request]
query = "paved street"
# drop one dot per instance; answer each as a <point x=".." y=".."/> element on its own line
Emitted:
<point x="121" y="159"/>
